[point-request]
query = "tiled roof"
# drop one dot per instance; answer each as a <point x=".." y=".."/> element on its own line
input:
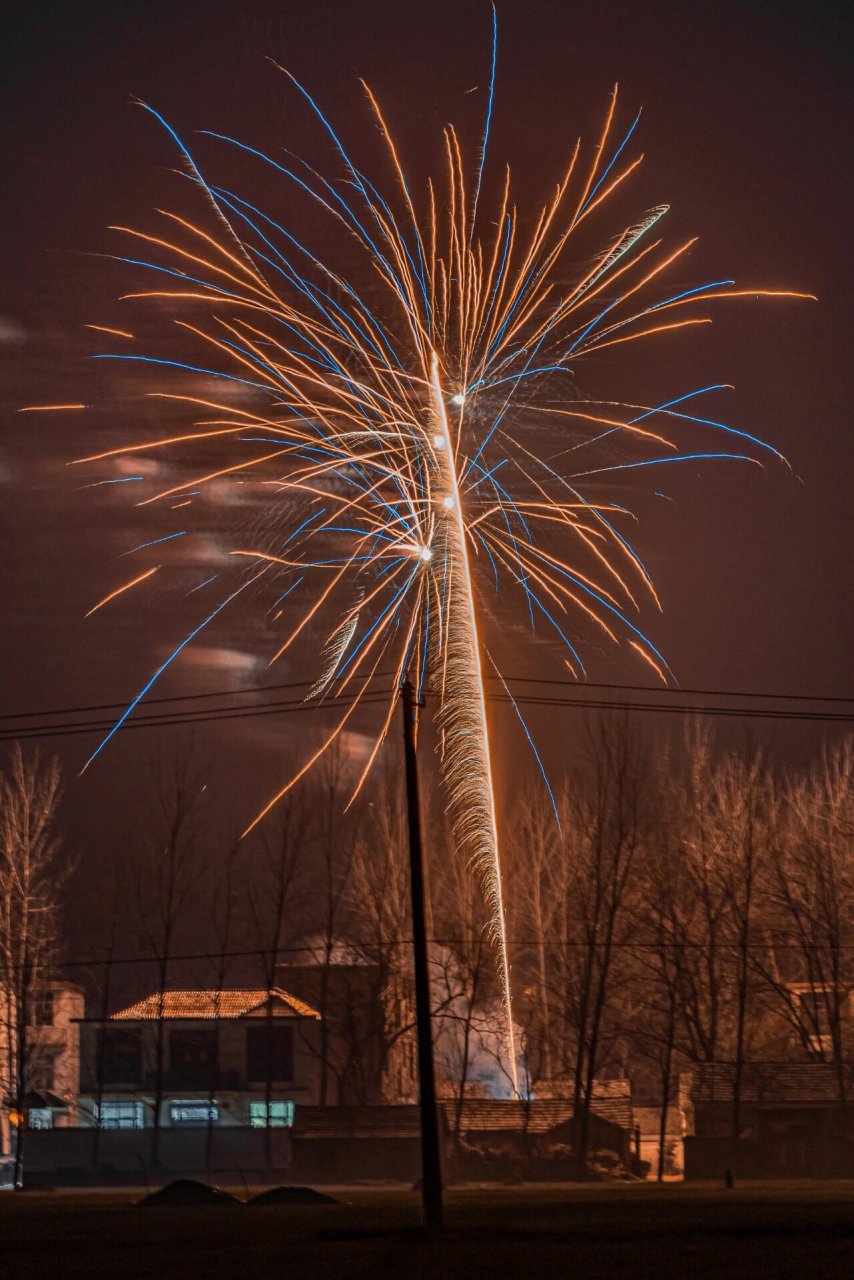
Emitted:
<point x="539" y="1116"/>
<point x="769" y="1083"/>
<point x="480" y="1115"/>
<point x="211" y="1004"/>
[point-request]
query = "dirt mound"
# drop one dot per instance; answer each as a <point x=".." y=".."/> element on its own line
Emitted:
<point x="188" y="1192"/>
<point x="292" y="1195"/>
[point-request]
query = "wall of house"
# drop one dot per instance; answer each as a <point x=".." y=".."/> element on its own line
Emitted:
<point x="648" y="1121"/>
<point x="54" y="1058"/>
<point x="228" y="1084"/>
<point x="62" y="1041"/>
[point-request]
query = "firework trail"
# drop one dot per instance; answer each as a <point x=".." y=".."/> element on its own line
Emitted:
<point x="383" y="399"/>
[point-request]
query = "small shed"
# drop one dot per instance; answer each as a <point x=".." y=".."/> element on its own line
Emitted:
<point x="794" y="1120"/>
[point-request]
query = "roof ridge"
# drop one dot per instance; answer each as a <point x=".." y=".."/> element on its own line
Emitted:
<point x="209" y="1003"/>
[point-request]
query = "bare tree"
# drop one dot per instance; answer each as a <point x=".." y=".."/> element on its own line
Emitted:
<point x="538" y="872"/>
<point x="704" y="974"/>
<point x="223" y="920"/>
<point x="738" y="811"/>
<point x="605" y="826"/>
<point x="375" y="1018"/>
<point x="335" y="849"/>
<point x="466" y="1004"/>
<point x="810" y="925"/>
<point x="167" y="879"/>
<point x="667" y="899"/>
<point x="31" y="882"/>
<point x="572" y="888"/>
<point x="277" y="869"/>
<point x="114" y="897"/>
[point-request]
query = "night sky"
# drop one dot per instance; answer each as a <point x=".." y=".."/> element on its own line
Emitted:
<point x="746" y="113"/>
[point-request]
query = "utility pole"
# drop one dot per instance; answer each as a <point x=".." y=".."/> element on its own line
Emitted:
<point x="431" y="1170"/>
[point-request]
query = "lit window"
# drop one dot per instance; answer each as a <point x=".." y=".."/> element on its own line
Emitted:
<point x="122" y="1115"/>
<point x="280" y="1115"/>
<point x="189" y="1113"/>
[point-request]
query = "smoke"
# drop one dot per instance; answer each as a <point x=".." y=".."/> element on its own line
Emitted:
<point x="470" y="1038"/>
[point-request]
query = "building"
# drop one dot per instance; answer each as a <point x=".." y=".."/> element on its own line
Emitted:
<point x="477" y="1119"/>
<point x="366" y="1046"/>
<point x="191" y="1058"/>
<point x="795" y="1120"/>
<point x="647" y="1118"/>
<point x="52" y="1061"/>
<point x="535" y="1139"/>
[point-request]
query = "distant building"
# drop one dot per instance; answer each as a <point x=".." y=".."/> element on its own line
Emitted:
<point x="647" y="1118"/>
<point x="237" y="1057"/>
<point x="366" y="1048"/>
<point x="477" y="1118"/>
<point x="814" y="1012"/>
<point x="52" y="1065"/>
<point x="795" y="1120"/>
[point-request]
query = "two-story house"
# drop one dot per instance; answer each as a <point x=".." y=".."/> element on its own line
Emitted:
<point x="233" y="1057"/>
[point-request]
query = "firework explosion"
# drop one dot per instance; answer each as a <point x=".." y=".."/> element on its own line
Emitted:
<point x="385" y="401"/>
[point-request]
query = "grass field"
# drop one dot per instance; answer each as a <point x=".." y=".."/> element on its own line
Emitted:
<point x="637" y="1231"/>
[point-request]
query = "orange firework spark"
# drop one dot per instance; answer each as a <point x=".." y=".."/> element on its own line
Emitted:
<point x="121" y="590"/>
<point x="50" y="408"/>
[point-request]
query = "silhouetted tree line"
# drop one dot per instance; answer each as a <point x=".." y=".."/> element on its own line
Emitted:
<point x="692" y="909"/>
<point x="692" y="906"/>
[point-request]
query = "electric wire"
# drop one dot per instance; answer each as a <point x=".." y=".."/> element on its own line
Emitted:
<point x="563" y="944"/>
<point x="673" y="691"/>
<point x="64" y="725"/>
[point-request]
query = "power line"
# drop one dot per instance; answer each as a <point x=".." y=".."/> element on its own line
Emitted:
<point x="151" y="702"/>
<point x="655" y="690"/>
<point x="676" y="690"/>
<point x="215" y="715"/>
<point x="759" y="713"/>
<point x="564" y="944"/>
<point x="167" y="721"/>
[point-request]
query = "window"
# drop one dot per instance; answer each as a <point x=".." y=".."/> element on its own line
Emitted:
<point x="194" y="1057"/>
<point x="280" y="1115"/>
<point x="41" y="1009"/>
<point x="120" y="1056"/>
<point x="122" y="1115"/>
<point x="818" y="1008"/>
<point x="270" y="1052"/>
<point x="190" y="1113"/>
<point x="41" y="1075"/>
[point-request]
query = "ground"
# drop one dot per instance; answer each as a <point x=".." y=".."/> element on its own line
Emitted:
<point x="693" y="1233"/>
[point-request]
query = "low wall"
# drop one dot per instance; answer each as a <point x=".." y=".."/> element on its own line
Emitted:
<point x="768" y="1158"/>
<point x="326" y="1145"/>
<point x="82" y="1157"/>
